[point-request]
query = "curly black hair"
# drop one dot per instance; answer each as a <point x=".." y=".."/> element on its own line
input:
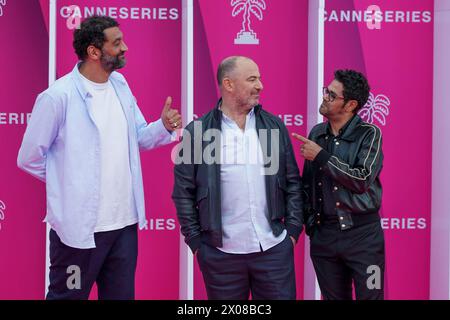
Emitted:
<point x="355" y="86"/>
<point x="91" y="33"/>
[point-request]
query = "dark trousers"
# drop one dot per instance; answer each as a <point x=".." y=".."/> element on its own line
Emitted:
<point x="354" y="256"/>
<point x="112" y="265"/>
<point x="267" y="275"/>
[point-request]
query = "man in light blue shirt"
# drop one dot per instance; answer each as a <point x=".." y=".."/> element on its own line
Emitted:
<point x="83" y="141"/>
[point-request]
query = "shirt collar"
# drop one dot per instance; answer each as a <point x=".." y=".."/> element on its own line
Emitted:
<point x="228" y="119"/>
<point x="343" y="129"/>
<point x="76" y="76"/>
<point x="115" y="78"/>
<point x="346" y="132"/>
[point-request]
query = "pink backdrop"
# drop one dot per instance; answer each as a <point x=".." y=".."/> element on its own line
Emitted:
<point x="398" y="62"/>
<point x="24" y="73"/>
<point x="282" y="58"/>
<point x="153" y="72"/>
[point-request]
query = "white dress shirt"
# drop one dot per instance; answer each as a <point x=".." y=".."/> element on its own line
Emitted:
<point x="245" y="215"/>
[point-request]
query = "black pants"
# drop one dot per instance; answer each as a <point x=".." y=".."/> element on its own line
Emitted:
<point x="267" y="275"/>
<point x="112" y="265"/>
<point x="354" y="256"/>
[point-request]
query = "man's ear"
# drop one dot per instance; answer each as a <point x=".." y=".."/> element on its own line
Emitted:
<point x="227" y="84"/>
<point x="351" y="105"/>
<point x="93" y="52"/>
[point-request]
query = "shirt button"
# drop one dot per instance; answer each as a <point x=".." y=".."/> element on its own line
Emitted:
<point x="319" y="184"/>
<point x="342" y="218"/>
<point x="326" y="138"/>
<point x="338" y="204"/>
<point x="320" y="199"/>
<point x="343" y="225"/>
<point x="318" y="214"/>
<point x="335" y="188"/>
<point x="337" y="143"/>
<point x="320" y="168"/>
<point x="318" y="222"/>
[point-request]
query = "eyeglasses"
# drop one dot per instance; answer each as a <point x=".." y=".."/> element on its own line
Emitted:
<point x="330" y="95"/>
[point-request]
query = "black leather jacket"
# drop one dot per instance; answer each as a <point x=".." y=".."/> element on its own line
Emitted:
<point x="196" y="190"/>
<point x="354" y="167"/>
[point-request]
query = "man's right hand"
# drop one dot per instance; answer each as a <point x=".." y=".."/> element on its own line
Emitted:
<point x="309" y="150"/>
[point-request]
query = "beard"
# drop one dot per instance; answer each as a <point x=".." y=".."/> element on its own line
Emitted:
<point x="327" y="110"/>
<point x="248" y="102"/>
<point x="111" y="63"/>
<point x="322" y="109"/>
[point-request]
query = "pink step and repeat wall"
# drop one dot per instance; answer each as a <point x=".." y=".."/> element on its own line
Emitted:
<point x="275" y="35"/>
<point x="395" y="51"/>
<point x="152" y="32"/>
<point x="23" y="73"/>
<point x="395" y="54"/>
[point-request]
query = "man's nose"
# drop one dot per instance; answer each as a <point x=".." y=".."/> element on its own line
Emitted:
<point x="124" y="47"/>
<point x="259" y="85"/>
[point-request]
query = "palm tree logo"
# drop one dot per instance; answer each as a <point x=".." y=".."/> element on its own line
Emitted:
<point x="2" y="214"/>
<point x="248" y="7"/>
<point x="2" y="4"/>
<point x="376" y="108"/>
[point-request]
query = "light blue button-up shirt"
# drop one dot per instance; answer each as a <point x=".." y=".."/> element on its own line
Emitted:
<point x="61" y="147"/>
<point x="245" y="215"/>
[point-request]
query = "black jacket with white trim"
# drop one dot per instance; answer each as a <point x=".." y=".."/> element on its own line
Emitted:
<point x="354" y="167"/>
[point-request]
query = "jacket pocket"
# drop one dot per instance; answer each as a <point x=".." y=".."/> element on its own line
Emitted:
<point x="203" y="207"/>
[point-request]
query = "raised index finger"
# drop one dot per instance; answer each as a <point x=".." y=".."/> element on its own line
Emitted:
<point x="299" y="137"/>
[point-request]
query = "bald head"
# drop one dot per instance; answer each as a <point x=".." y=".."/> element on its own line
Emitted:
<point x="239" y="82"/>
<point x="228" y="66"/>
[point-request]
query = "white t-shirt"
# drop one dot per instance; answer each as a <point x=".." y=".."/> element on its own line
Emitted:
<point x="117" y="208"/>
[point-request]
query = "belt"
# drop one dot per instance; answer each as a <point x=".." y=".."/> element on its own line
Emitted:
<point x="357" y="218"/>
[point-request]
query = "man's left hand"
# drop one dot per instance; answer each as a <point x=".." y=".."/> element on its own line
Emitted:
<point x="309" y="150"/>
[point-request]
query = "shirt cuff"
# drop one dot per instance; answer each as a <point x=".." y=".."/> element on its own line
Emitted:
<point x="173" y="134"/>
